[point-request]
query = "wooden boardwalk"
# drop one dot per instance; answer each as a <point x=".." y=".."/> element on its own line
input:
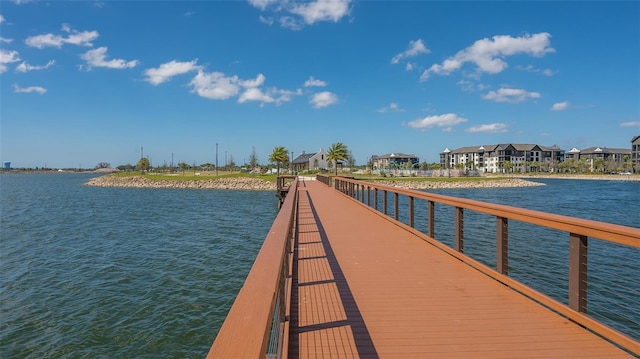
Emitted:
<point x="364" y="287"/>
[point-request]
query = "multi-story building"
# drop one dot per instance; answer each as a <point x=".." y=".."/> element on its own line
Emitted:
<point x="635" y="153"/>
<point x="492" y="158"/>
<point x="600" y="158"/>
<point x="394" y="161"/>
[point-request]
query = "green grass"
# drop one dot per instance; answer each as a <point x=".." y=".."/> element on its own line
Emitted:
<point x="190" y="176"/>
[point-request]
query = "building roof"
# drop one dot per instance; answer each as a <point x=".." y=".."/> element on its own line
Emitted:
<point x="394" y="155"/>
<point x="592" y="150"/>
<point x="303" y="158"/>
<point x="635" y="139"/>
<point x="504" y="146"/>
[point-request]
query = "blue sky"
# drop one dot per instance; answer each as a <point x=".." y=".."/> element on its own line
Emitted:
<point x="84" y="82"/>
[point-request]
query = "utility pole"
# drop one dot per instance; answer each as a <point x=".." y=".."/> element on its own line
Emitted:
<point x="216" y="158"/>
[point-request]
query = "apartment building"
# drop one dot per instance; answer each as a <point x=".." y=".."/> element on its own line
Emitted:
<point x="492" y="158"/>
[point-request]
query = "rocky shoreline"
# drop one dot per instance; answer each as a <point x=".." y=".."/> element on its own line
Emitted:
<point x="498" y="183"/>
<point x="239" y="183"/>
<point x="256" y="184"/>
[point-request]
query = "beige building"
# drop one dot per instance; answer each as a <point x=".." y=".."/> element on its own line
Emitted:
<point x="394" y="161"/>
<point x="635" y="153"/>
<point x="491" y="158"/>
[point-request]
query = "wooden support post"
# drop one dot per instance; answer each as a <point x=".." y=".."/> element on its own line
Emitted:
<point x="384" y="201"/>
<point x="502" y="248"/>
<point x="411" y="224"/>
<point x="395" y="205"/>
<point x="578" y="255"/>
<point x="459" y="229"/>
<point x="375" y="198"/>
<point x="431" y="225"/>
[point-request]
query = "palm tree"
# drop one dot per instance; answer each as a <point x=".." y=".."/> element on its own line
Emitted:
<point x="279" y="155"/>
<point x="337" y="151"/>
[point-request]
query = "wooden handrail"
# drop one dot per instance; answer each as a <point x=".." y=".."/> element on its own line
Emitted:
<point x="246" y="330"/>
<point x="578" y="229"/>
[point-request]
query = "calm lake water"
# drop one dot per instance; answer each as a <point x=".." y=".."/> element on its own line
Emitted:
<point x="151" y="273"/>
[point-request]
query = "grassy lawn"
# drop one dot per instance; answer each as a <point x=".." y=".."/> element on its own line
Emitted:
<point x="191" y="175"/>
<point x="208" y="175"/>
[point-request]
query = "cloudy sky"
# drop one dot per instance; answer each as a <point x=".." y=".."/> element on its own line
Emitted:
<point x="84" y="82"/>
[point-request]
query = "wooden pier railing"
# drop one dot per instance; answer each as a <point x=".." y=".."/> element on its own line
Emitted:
<point x="257" y="325"/>
<point x="259" y="314"/>
<point x="578" y="232"/>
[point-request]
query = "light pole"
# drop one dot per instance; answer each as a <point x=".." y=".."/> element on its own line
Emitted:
<point x="216" y="158"/>
<point x="446" y="154"/>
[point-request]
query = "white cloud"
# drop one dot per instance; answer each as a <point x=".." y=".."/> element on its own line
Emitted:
<point x="322" y="10"/>
<point x="166" y="71"/>
<point x="560" y="106"/>
<point x="489" y="128"/>
<point x="630" y="124"/>
<point x="2" y="20"/>
<point x="531" y="68"/>
<point x="75" y="38"/>
<point x="97" y="58"/>
<point x="5" y="40"/>
<point x="415" y="48"/>
<point x="38" y="89"/>
<point x="392" y="107"/>
<point x="266" y="20"/>
<point x="262" y="4"/>
<point x="215" y="85"/>
<point x="7" y="57"/>
<point x="488" y="54"/>
<point x="218" y="86"/>
<point x="253" y="83"/>
<point x="314" y="82"/>
<point x="510" y="95"/>
<point x="25" y="67"/>
<point x="323" y="99"/>
<point x="255" y="94"/>
<point x="308" y="12"/>
<point x="446" y="122"/>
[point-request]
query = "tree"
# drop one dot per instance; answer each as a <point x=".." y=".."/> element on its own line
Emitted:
<point x="143" y="165"/>
<point x="508" y="166"/>
<point x="351" y="161"/>
<point x="253" y="159"/>
<point x="279" y="155"/>
<point x="103" y="165"/>
<point x="337" y="151"/>
<point x="183" y="166"/>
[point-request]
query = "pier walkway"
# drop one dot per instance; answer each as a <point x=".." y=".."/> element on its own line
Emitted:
<point x="366" y="288"/>
<point x="361" y="285"/>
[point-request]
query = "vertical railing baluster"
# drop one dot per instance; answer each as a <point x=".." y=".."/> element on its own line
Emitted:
<point x="578" y="254"/>
<point x="459" y="229"/>
<point x="384" y="201"/>
<point x="395" y="205"/>
<point x="431" y="207"/>
<point x="502" y="248"/>
<point x="375" y="198"/>
<point x="369" y="196"/>
<point x="411" y="223"/>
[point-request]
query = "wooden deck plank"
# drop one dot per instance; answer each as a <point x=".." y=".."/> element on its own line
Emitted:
<point x="366" y="288"/>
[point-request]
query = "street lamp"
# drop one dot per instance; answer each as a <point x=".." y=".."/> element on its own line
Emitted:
<point x="446" y="154"/>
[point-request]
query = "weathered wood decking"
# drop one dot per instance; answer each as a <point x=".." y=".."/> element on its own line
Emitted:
<point x="364" y="287"/>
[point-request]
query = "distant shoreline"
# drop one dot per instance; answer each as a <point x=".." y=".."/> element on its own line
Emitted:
<point x="612" y="177"/>
<point x="256" y="184"/>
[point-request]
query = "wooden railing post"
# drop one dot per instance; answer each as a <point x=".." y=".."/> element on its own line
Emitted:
<point x="396" y="215"/>
<point x="411" y="223"/>
<point x="578" y="255"/>
<point x="502" y="236"/>
<point x="431" y="225"/>
<point x="375" y="198"/>
<point x="459" y="229"/>
<point x="384" y="201"/>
